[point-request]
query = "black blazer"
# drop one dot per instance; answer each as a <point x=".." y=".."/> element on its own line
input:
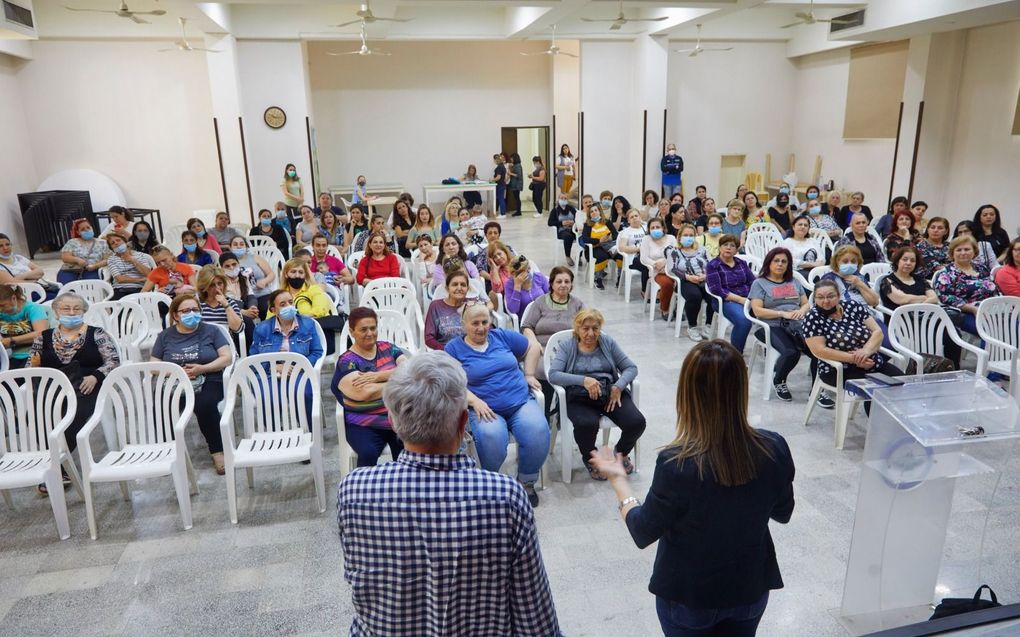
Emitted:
<point x="843" y="218"/>
<point x="715" y="549"/>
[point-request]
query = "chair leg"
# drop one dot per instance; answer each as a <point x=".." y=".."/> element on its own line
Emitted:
<point x="816" y="389"/>
<point x="841" y="417"/>
<point x="90" y="510"/>
<point x="179" y="473"/>
<point x="7" y="499"/>
<point x="315" y="456"/>
<point x="766" y="373"/>
<point x="72" y="471"/>
<point x="605" y="436"/>
<point x="232" y="492"/>
<point x="566" y="436"/>
<point x="653" y="289"/>
<point x="637" y="454"/>
<point x="192" y="476"/>
<point x="249" y="474"/>
<point x="125" y="492"/>
<point x="57" y="502"/>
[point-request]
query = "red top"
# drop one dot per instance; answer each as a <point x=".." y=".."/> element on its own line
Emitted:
<point x="369" y="268"/>
<point x="1008" y="279"/>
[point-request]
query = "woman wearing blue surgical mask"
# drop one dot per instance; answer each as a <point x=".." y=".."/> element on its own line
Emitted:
<point x="713" y="232"/>
<point x="787" y="189"/>
<point x="82" y="255"/>
<point x="689" y="263"/>
<point x="261" y="275"/>
<point x="845" y="267"/>
<point x="203" y="350"/>
<point x="128" y="267"/>
<point x="266" y="227"/>
<point x="192" y="252"/>
<point x="206" y="240"/>
<point x="84" y="353"/>
<point x="293" y="191"/>
<point x="143" y="238"/>
<point x="653" y="257"/>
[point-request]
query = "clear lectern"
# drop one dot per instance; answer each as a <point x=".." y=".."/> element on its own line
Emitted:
<point x="936" y="450"/>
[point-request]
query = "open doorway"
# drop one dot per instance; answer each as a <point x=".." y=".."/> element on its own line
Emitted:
<point x="526" y="141"/>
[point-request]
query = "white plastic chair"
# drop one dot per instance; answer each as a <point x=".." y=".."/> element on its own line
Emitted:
<point x="391" y="326"/>
<point x="172" y="238"/>
<point x="150" y="404"/>
<point x="273" y="257"/>
<point x="628" y="274"/>
<point x="242" y="228"/>
<point x="388" y="283"/>
<point x="566" y="432"/>
<point x="768" y="353"/>
<point x="5" y="359"/>
<point x="339" y="297"/>
<point x="402" y="300"/>
<point x="263" y="241"/>
<point x="150" y="303"/>
<point x="34" y="293"/>
<point x="36" y="406"/>
<point x="326" y="358"/>
<point x="758" y="244"/>
<point x="353" y="260"/>
<point x="816" y="274"/>
<point x="920" y="328"/>
<point x="872" y="271"/>
<point x="276" y="427"/>
<point x="998" y="325"/>
<point x="92" y="290"/>
<point x="125" y="321"/>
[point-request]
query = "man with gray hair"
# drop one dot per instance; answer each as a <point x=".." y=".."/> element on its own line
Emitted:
<point x="433" y="546"/>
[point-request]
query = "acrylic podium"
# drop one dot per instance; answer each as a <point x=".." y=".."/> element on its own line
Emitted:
<point x="937" y="447"/>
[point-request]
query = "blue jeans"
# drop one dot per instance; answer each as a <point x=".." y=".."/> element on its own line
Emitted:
<point x="66" y="276"/>
<point x="501" y="198"/>
<point x="530" y="429"/>
<point x="671" y="189"/>
<point x="970" y="324"/>
<point x="678" y="620"/>
<point x="369" y="443"/>
<point x="734" y="313"/>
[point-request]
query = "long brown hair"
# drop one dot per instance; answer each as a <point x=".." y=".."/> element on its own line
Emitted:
<point x="711" y="406"/>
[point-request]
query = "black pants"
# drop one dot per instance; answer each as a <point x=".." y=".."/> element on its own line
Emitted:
<point x="637" y="266"/>
<point x="472" y="198"/>
<point x="853" y="372"/>
<point x="263" y="303"/>
<point x="86" y="407"/>
<point x="402" y="247"/>
<point x="586" y="413"/>
<point x="538" y="196"/>
<point x="566" y="235"/>
<point x="790" y="348"/>
<point x="513" y="200"/>
<point x="694" y="294"/>
<point x="119" y="293"/>
<point x="601" y="255"/>
<point x="207" y="411"/>
<point x="369" y="443"/>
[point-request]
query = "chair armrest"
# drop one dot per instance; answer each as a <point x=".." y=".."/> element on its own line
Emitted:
<point x="317" y="412"/>
<point x="635" y="392"/>
<point x="84" y="446"/>
<point x="227" y="421"/>
<point x="57" y="442"/>
<point x="881" y="309"/>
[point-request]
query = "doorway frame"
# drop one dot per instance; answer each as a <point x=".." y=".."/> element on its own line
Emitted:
<point x="545" y="151"/>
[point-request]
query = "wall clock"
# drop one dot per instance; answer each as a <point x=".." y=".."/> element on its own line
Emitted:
<point x="274" y="117"/>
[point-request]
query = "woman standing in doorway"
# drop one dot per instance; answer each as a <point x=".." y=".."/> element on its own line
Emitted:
<point x="515" y="172"/>
<point x="538" y="185"/>
<point x="565" y="164"/>
<point x="293" y="191"/>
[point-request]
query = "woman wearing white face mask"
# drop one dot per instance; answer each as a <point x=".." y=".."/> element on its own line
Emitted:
<point x="653" y="257"/>
<point x="561" y="217"/>
<point x="239" y="286"/>
<point x="689" y="263"/>
<point x="293" y="191"/>
<point x="203" y="351"/>
<point x="821" y="216"/>
<point x="15" y="268"/>
<point x="672" y="166"/>
<point x="128" y="267"/>
<point x="84" y="353"/>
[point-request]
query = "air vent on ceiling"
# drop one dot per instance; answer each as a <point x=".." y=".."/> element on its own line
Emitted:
<point x="16" y="14"/>
<point x="847" y="21"/>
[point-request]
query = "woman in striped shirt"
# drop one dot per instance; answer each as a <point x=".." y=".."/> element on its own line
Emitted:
<point x="216" y="306"/>
<point x="128" y="267"/>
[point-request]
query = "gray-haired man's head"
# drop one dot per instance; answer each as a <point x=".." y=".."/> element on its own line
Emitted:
<point x="426" y="398"/>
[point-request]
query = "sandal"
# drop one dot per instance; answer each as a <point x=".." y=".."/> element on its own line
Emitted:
<point x="217" y="460"/>
<point x="594" y="473"/>
<point x="64" y="479"/>
<point x="628" y="466"/>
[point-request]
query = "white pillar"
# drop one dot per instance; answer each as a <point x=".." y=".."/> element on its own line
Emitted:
<point x="913" y="95"/>
<point x="225" y="89"/>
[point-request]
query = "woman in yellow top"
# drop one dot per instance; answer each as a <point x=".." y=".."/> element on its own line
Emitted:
<point x="601" y="235"/>
<point x="310" y="299"/>
<point x="293" y="192"/>
<point x="710" y="238"/>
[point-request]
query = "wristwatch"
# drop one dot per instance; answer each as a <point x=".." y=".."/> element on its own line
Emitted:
<point x="627" y="501"/>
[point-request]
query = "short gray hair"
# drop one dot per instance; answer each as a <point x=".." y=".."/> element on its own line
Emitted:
<point x="70" y="296"/>
<point x="425" y="398"/>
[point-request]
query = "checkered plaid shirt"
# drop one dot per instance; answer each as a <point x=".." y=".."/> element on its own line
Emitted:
<point x="434" y="547"/>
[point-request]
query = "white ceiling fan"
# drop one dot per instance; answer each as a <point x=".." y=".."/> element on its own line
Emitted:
<point x="364" y="50"/>
<point x="809" y="18"/>
<point x="123" y="12"/>
<point x="553" y="49"/>
<point x="184" y="45"/>
<point x="365" y="16"/>
<point x="698" y="49"/>
<point x="621" y="19"/>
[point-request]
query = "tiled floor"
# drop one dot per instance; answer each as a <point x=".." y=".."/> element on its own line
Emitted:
<point x="279" y="570"/>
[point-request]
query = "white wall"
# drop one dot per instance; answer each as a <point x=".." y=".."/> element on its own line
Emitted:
<point x="566" y="92"/>
<point x="426" y="112"/>
<point x="17" y="169"/>
<point x="732" y="103"/>
<point x="610" y="113"/>
<point x="141" y="117"/>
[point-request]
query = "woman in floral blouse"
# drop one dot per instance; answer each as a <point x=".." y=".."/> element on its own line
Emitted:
<point x="963" y="284"/>
<point x="934" y="247"/>
<point x="902" y="235"/>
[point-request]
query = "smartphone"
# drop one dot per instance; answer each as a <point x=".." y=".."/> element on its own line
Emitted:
<point x="884" y="379"/>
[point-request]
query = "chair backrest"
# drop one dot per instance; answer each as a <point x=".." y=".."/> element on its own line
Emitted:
<point x="753" y="261"/>
<point x="34" y="292"/>
<point x="754" y="181"/>
<point x="273" y="257"/>
<point x="527" y="313"/>
<point x="339" y="297"/>
<point x="389" y="282"/>
<point x="242" y="228"/>
<point x="147" y="401"/>
<point x="274" y="390"/>
<point x="392" y="327"/>
<point x="808" y="286"/>
<point x="759" y="243"/>
<point x="150" y="304"/>
<point x="92" y="290"/>
<point x="5" y="359"/>
<point x="321" y="334"/>
<point x="555" y="342"/>
<point x="919" y="328"/>
<point x="261" y="242"/>
<point x="871" y="271"/>
<point x="816" y="274"/>
<point x="998" y="319"/>
<point x="172" y="238"/>
<point x="125" y="321"/>
<point x="764" y="228"/>
<point x="334" y="251"/>
<point x="34" y="401"/>
<point x="400" y="299"/>
<point x="353" y="260"/>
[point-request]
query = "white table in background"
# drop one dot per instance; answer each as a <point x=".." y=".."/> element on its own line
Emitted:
<point x="447" y="190"/>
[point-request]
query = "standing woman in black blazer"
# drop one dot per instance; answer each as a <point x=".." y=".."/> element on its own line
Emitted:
<point x="715" y="488"/>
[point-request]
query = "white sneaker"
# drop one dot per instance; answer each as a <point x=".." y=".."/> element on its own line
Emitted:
<point x="694" y="334"/>
<point x="705" y="332"/>
<point x="538" y="215"/>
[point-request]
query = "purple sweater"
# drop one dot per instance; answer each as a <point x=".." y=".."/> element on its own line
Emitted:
<point x="518" y="300"/>
<point x="723" y="280"/>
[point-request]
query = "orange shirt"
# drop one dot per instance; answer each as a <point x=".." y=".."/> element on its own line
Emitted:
<point x="181" y="272"/>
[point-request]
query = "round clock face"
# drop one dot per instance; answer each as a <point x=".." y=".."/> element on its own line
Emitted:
<point x="275" y="117"/>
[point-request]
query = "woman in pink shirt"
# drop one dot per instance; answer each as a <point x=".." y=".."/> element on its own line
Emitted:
<point x="1008" y="276"/>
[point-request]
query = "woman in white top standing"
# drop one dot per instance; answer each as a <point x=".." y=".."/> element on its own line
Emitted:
<point x="629" y="242"/>
<point x="653" y="257"/>
<point x="565" y="164"/>
<point x="121" y="223"/>
<point x="805" y="250"/>
<point x="293" y="191"/>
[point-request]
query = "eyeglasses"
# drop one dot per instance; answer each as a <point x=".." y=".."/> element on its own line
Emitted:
<point x="833" y="297"/>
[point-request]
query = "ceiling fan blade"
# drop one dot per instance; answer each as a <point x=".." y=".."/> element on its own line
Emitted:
<point x="197" y="48"/>
<point x="134" y="18"/>
<point x="344" y="53"/>
<point x="728" y="48"/>
<point x="156" y="12"/>
<point x="347" y="24"/>
<point x="378" y="19"/>
<point x="836" y="21"/>
<point x="89" y="10"/>
<point x="569" y="55"/>
<point x="600" y="19"/>
<point x="683" y="50"/>
<point x="793" y="24"/>
<point x="165" y="50"/>
<point x="616" y="26"/>
<point x="378" y="52"/>
<point x="647" y="19"/>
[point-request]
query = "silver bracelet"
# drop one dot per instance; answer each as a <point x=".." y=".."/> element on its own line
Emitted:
<point x="627" y="501"/>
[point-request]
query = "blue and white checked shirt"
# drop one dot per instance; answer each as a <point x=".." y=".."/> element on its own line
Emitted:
<point x="434" y="547"/>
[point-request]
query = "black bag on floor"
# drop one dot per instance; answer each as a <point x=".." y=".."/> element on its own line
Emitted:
<point x="932" y="365"/>
<point x="956" y="605"/>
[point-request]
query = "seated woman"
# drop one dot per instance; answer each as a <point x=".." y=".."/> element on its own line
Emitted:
<point x="357" y="225"/>
<point x="562" y="217"/>
<point x="128" y="268"/>
<point x="307" y="228"/>
<point x="325" y="267"/>
<point x="601" y="236"/>
<point x="845" y="271"/>
<point x="1007" y="278"/>
<point x="549" y="314"/>
<point x="20" y="322"/>
<point x="987" y="226"/>
<point x="677" y="217"/>
<point x="628" y="241"/>
<point x="497" y="271"/>
<point x="239" y="287"/>
<point x="206" y="241"/>
<point x="451" y="216"/>
<point x="121" y="223"/>
<point x="493" y="232"/>
<point x="782" y="213"/>
<point x="903" y="233"/>
<point x="309" y="299"/>
<point x="802" y="247"/>
<point x="266" y="228"/>
<point x="500" y="402"/>
<point x="525" y="285"/>
<point x="222" y="232"/>
<point x="204" y="352"/>
<point x="424" y="225"/>
<point x="143" y="238"/>
<point x="82" y="255"/>
<point x="401" y="222"/>
<point x="689" y="263"/>
<point x="330" y="228"/>
<point x="596" y="374"/>
<point x="15" y="267"/>
<point x="261" y="276"/>
<point x="192" y="253"/>
<point x="709" y="237"/>
<point x="427" y="255"/>
<point x="653" y="257"/>
<point x="844" y="331"/>
<point x="217" y="307"/>
<point x="986" y="257"/>
<point x="867" y="245"/>
<point x="358" y="383"/>
<point x="856" y="206"/>
<point x="443" y="318"/>
<point x="287" y="331"/>
<point x="379" y="262"/>
<point x="451" y="247"/>
<point x="823" y="215"/>
<point x="933" y="248"/>
<point x="84" y="353"/>
<point x="902" y="286"/>
<point x="963" y="284"/>
<point x="735" y="222"/>
<point x="169" y="276"/>
<point x="780" y="301"/>
<point x="730" y="279"/>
